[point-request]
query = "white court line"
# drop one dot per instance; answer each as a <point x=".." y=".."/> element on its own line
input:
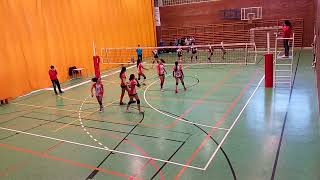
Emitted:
<point x="176" y="118"/>
<point x="85" y="82"/>
<point x="71" y="87"/>
<point x="100" y="148"/>
<point x="233" y="124"/>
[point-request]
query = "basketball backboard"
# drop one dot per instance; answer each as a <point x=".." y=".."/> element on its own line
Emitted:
<point x="251" y="13"/>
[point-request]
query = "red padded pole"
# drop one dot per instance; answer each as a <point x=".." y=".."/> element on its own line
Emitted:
<point x="268" y="66"/>
<point x="96" y="64"/>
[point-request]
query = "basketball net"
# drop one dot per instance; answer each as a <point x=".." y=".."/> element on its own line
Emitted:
<point x="250" y="17"/>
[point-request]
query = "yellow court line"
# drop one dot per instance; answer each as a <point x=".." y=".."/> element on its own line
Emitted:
<point x="71" y="99"/>
<point x="45" y="107"/>
<point x="66" y="125"/>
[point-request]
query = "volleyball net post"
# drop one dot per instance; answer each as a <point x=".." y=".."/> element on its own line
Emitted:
<point x="96" y="61"/>
<point x="268" y="55"/>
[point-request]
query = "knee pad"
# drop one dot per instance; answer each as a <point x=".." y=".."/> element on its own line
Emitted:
<point x="138" y="78"/>
<point x="138" y="101"/>
<point x="183" y="83"/>
<point x="177" y="84"/>
<point x="145" y="77"/>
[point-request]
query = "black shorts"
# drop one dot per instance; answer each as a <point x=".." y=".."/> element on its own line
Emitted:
<point x="179" y="77"/>
<point x="194" y="52"/>
<point x="179" y="55"/>
<point x="123" y="86"/>
<point x="161" y="75"/>
<point x="211" y="53"/>
<point x="156" y="56"/>
<point x="131" y="95"/>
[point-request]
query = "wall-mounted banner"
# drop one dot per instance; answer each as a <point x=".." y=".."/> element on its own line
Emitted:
<point x="157" y="16"/>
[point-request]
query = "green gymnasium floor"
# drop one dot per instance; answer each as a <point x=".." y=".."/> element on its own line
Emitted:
<point x="266" y="133"/>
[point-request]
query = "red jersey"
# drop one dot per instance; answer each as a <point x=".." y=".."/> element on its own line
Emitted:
<point x="98" y="88"/>
<point x="177" y="71"/>
<point x="53" y="74"/>
<point x="161" y="69"/>
<point x="132" y="84"/>
<point x="287" y="32"/>
<point x="140" y="67"/>
<point x="123" y="79"/>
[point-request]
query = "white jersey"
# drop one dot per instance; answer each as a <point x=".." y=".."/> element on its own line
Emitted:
<point x="155" y="52"/>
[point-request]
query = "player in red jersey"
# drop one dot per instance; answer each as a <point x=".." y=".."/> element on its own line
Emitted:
<point x="133" y="92"/>
<point x="99" y="91"/>
<point x="140" y="71"/>
<point x="178" y="74"/>
<point x="287" y="33"/>
<point x="161" y="70"/>
<point x="123" y="85"/>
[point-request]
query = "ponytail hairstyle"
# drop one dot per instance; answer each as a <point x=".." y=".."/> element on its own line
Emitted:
<point x="123" y="69"/>
<point x="131" y="77"/>
<point x="162" y="61"/>
<point x="176" y="66"/>
<point x="94" y="79"/>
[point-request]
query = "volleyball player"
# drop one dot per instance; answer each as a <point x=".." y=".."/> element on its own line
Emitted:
<point x="155" y="56"/>
<point x="123" y="85"/>
<point x="133" y="92"/>
<point x="210" y="51"/>
<point x="179" y="53"/>
<point x="193" y="52"/>
<point x="161" y="70"/>
<point x="140" y="71"/>
<point x="99" y="91"/>
<point x="178" y="75"/>
<point x="224" y="52"/>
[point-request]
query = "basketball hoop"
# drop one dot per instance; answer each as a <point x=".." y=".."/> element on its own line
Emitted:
<point x="251" y="13"/>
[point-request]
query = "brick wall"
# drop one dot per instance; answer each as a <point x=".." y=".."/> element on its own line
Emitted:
<point x="202" y="14"/>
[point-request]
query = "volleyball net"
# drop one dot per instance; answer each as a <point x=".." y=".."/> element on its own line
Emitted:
<point x="235" y="53"/>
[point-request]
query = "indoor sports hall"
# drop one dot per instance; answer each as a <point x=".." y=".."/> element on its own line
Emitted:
<point x="159" y="90"/>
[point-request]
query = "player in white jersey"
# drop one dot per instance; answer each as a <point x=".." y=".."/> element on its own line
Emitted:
<point x="193" y="52"/>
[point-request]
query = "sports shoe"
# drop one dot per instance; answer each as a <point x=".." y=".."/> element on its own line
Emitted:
<point x="162" y="90"/>
<point x="122" y="103"/>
